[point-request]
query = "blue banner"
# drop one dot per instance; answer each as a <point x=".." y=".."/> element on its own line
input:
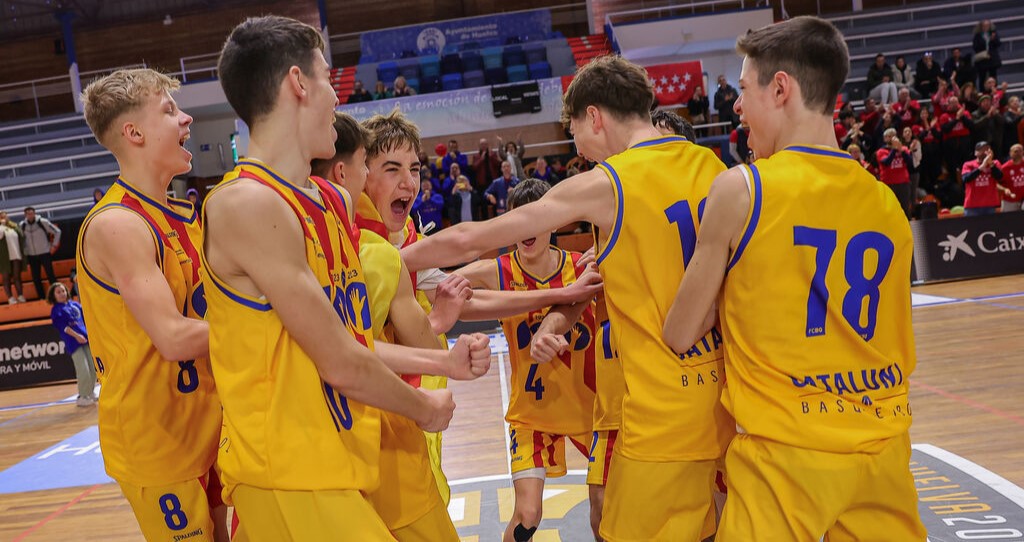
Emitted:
<point x="430" y="38"/>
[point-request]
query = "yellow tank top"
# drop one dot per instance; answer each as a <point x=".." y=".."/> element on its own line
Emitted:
<point x="816" y="306"/>
<point x="284" y="427"/>
<point x="555" y="397"/>
<point x="610" y="385"/>
<point x="671" y="410"/>
<point x="159" y="419"/>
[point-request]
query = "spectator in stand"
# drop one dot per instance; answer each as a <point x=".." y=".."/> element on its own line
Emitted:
<point x="913" y="145"/>
<point x="513" y="152"/>
<point x="381" y="92"/>
<point x="497" y="193"/>
<point x="893" y="165"/>
<point x="889" y="121"/>
<point x="956" y="126"/>
<point x="997" y="92"/>
<point x="902" y="75"/>
<point x="454" y="156"/>
<point x="986" y="51"/>
<point x="739" y="149"/>
<point x="969" y="97"/>
<point x="42" y="238"/>
<point x="857" y="155"/>
<point x="486" y="167"/>
<point x="428" y="208"/>
<point x="958" y="68"/>
<point x="981" y="182"/>
<point x="67" y="317"/>
<point x="907" y="110"/>
<point x="871" y="116"/>
<point x="931" y="150"/>
<point x="359" y="93"/>
<point x="989" y="124"/>
<point x="462" y="197"/>
<point x="852" y="133"/>
<point x="698" y="108"/>
<point x="880" y="81"/>
<point x="940" y="100"/>
<point x="97" y="195"/>
<point x="545" y="172"/>
<point x="725" y="98"/>
<point x="1013" y="178"/>
<point x="669" y="123"/>
<point x="926" y="80"/>
<point x="402" y="88"/>
<point x="192" y="195"/>
<point x="10" y="258"/>
<point x="1012" y="118"/>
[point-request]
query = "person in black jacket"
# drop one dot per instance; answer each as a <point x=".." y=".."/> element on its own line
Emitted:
<point x="958" y="68"/>
<point x="986" y="51"/>
<point x="926" y="80"/>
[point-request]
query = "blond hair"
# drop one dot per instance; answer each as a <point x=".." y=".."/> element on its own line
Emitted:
<point x="123" y="91"/>
<point x="391" y="132"/>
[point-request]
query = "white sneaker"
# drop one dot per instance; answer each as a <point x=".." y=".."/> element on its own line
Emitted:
<point x="21" y="299"/>
<point x="11" y="301"/>
<point x="85" y="401"/>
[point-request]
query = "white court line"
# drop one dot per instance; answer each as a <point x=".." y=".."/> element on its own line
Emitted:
<point x="495" y="477"/>
<point x="504" y="383"/>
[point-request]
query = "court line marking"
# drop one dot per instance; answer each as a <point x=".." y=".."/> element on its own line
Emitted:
<point x="998" y="484"/>
<point x="505" y="391"/>
<point x="980" y="300"/>
<point x="497" y="477"/>
<point x="56" y="513"/>
<point x="970" y="402"/>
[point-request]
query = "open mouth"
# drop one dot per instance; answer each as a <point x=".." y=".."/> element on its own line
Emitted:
<point x="183" y="139"/>
<point x="529" y="242"/>
<point x="400" y="208"/>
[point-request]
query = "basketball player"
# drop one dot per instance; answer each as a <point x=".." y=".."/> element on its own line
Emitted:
<point x="408" y="499"/>
<point x="644" y="199"/>
<point x="812" y="255"/>
<point x="299" y="379"/>
<point x="550" y="402"/>
<point x="159" y="418"/>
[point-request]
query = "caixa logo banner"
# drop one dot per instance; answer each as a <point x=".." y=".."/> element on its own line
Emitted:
<point x="965" y="247"/>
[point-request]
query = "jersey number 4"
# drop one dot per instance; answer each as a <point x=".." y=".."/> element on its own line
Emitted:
<point x="825" y="242"/>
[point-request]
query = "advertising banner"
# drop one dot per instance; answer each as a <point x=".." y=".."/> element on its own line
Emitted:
<point x="33" y="355"/>
<point x="430" y="38"/>
<point x="959" y="248"/>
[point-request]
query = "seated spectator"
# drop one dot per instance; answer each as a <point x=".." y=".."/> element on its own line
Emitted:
<point x="497" y="192"/>
<point x="986" y="51"/>
<point x="427" y="208"/>
<point x="940" y="100"/>
<point x="669" y="123"/>
<point x="545" y="172"/>
<point x="902" y="75"/>
<point x="958" y="68"/>
<point x="926" y="79"/>
<point x="989" y="124"/>
<point x="513" y="152"/>
<point x="698" y="107"/>
<point x="981" y="182"/>
<point x="359" y="94"/>
<point x="906" y="109"/>
<point x="381" y="92"/>
<point x="402" y="88"/>
<point x="1013" y="179"/>
<point x="969" y="97"/>
<point x="880" y="81"/>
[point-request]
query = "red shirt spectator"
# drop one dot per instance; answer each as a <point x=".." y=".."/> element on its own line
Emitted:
<point x="906" y="109"/>
<point x="1013" y="174"/>
<point x="981" y="179"/>
<point x="892" y="165"/>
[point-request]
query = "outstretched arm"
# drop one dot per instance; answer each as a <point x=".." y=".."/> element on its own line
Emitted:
<point x="692" y="312"/>
<point x="491" y="303"/>
<point x="549" y="340"/>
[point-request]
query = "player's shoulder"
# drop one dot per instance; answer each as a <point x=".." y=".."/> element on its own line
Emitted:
<point x="243" y="197"/>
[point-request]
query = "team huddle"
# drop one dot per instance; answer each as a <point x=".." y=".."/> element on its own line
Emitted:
<point x="743" y="332"/>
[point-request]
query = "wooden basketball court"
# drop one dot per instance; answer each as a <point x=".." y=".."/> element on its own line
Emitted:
<point x="965" y="393"/>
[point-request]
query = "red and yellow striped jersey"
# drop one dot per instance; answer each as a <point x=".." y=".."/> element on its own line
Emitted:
<point x="555" y="397"/>
<point x="159" y="419"/>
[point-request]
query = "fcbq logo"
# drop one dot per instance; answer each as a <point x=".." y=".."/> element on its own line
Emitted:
<point x="986" y="242"/>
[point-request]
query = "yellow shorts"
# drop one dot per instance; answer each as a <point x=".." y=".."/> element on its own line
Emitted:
<point x="435" y="526"/>
<point x="172" y="510"/>
<point x="537" y="450"/>
<point x="780" y="492"/>
<point x="309" y="516"/>
<point x="407" y="489"/>
<point x="601" y="456"/>
<point x="664" y="502"/>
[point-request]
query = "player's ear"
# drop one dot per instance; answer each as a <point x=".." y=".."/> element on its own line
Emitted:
<point x="295" y="82"/>
<point x="782" y="86"/>
<point x="337" y="172"/>
<point x="132" y="133"/>
<point x="596" y="118"/>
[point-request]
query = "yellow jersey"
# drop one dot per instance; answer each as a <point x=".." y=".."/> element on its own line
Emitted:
<point x="159" y="419"/>
<point x="610" y="384"/>
<point x="820" y="348"/>
<point x="285" y="428"/>
<point x="555" y="397"/>
<point x="671" y="409"/>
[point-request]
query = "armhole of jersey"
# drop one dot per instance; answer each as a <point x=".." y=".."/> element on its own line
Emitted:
<point x="501" y="271"/>
<point x="753" y="178"/>
<point x="228" y="291"/>
<point x="81" y="244"/>
<point x="613" y="177"/>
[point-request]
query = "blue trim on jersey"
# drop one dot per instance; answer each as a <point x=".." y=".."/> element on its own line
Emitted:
<point x="168" y="212"/>
<point x="755" y="215"/>
<point x="344" y="202"/>
<point x="255" y="305"/>
<point x="659" y="141"/>
<point x="557" y="272"/>
<point x="819" y="152"/>
<point x="618" y="213"/>
<point x="281" y="180"/>
<point x="102" y="284"/>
